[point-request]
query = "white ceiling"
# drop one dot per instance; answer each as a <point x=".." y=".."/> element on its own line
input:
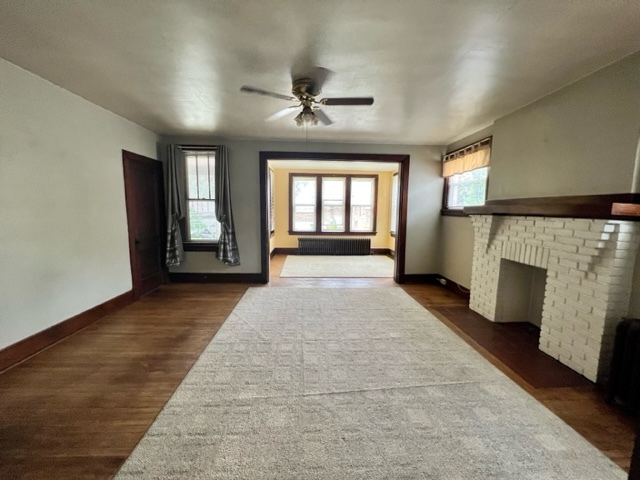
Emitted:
<point x="438" y="69"/>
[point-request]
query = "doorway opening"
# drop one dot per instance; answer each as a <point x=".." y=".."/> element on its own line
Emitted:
<point x="145" y="220"/>
<point x="350" y="199"/>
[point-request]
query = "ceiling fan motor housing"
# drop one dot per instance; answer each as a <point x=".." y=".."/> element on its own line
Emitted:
<point x="302" y="89"/>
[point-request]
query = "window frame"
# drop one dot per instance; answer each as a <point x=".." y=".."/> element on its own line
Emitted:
<point x="393" y="226"/>
<point x="188" y="244"/>
<point x="347" y="204"/>
<point x="271" y="193"/>
<point x="292" y="205"/>
<point x="459" y="211"/>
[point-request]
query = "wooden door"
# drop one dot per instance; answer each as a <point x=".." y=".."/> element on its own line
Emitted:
<point x="145" y="218"/>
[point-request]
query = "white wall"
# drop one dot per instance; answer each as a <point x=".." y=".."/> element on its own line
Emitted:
<point x="425" y="193"/>
<point x="580" y="140"/>
<point x="63" y="233"/>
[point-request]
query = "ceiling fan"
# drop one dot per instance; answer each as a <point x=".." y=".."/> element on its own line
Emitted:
<point x="305" y="89"/>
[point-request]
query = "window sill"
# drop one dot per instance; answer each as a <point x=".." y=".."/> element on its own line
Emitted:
<point x="200" y="247"/>
<point x="450" y="212"/>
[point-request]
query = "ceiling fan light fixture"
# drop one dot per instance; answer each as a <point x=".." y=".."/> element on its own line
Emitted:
<point x="306" y="117"/>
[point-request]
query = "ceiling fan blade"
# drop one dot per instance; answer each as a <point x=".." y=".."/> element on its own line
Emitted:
<point x="281" y="113"/>
<point x="266" y="93"/>
<point x="320" y="115"/>
<point x="347" y="101"/>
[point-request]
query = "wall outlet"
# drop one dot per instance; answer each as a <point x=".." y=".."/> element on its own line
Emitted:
<point x="443" y="281"/>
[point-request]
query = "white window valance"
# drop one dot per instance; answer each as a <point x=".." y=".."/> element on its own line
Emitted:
<point x="468" y="158"/>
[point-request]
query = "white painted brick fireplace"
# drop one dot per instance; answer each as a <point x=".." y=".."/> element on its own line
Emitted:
<point x="589" y="269"/>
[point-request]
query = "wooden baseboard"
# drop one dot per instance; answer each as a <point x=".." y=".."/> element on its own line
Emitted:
<point x="16" y="353"/>
<point x="455" y="287"/>
<point x="383" y="251"/>
<point x="284" y="251"/>
<point x="175" y="277"/>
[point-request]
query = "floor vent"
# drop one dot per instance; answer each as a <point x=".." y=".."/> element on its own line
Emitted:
<point x="334" y="246"/>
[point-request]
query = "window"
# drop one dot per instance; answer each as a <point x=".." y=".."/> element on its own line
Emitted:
<point x="303" y="206"/>
<point x="393" y="222"/>
<point x="362" y="203"/>
<point x="466" y="174"/>
<point x="333" y="204"/>
<point x="201" y="225"/>
<point x="467" y="189"/>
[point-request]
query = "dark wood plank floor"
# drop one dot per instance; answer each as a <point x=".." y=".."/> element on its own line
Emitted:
<point x="517" y="345"/>
<point x="78" y="409"/>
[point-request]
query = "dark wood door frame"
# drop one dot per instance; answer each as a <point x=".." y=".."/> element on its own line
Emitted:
<point x="129" y="160"/>
<point x="401" y="235"/>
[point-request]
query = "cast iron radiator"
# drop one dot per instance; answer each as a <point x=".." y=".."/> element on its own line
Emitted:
<point x="623" y="386"/>
<point x="334" y="246"/>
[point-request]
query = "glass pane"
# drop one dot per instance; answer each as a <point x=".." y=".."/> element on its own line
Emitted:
<point x="192" y="177"/>
<point x="304" y="218"/>
<point x="304" y="190"/>
<point x="362" y="191"/>
<point x="394" y="204"/>
<point x="467" y="189"/>
<point x="333" y="188"/>
<point x="361" y="219"/>
<point x="202" y="222"/>
<point x="333" y="196"/>
<point x="333" y="216"/>
<point x="212" y="172"/>
<point x="203" y="177"/>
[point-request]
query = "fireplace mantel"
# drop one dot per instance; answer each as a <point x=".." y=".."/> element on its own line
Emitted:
<point x="618" y="206"/>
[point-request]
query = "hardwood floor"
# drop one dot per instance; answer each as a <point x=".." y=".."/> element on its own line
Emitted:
<point x="77" y="409"/>
<point x="575" y="400"/>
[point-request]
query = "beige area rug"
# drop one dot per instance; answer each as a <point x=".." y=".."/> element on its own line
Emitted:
<point x="337" y="266"/>
<point x="314" y="383"/>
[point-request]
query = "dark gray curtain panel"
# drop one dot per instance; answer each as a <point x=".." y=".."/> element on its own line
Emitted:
<point x="176" y="204"/>
<point x="227" y="245"/>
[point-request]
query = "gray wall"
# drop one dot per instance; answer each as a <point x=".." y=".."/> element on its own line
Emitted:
<point x="456" y="233"/>
<point x="63" y="242"/>
<point x="425" y="193"/>
<point x="580" y="140"/>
